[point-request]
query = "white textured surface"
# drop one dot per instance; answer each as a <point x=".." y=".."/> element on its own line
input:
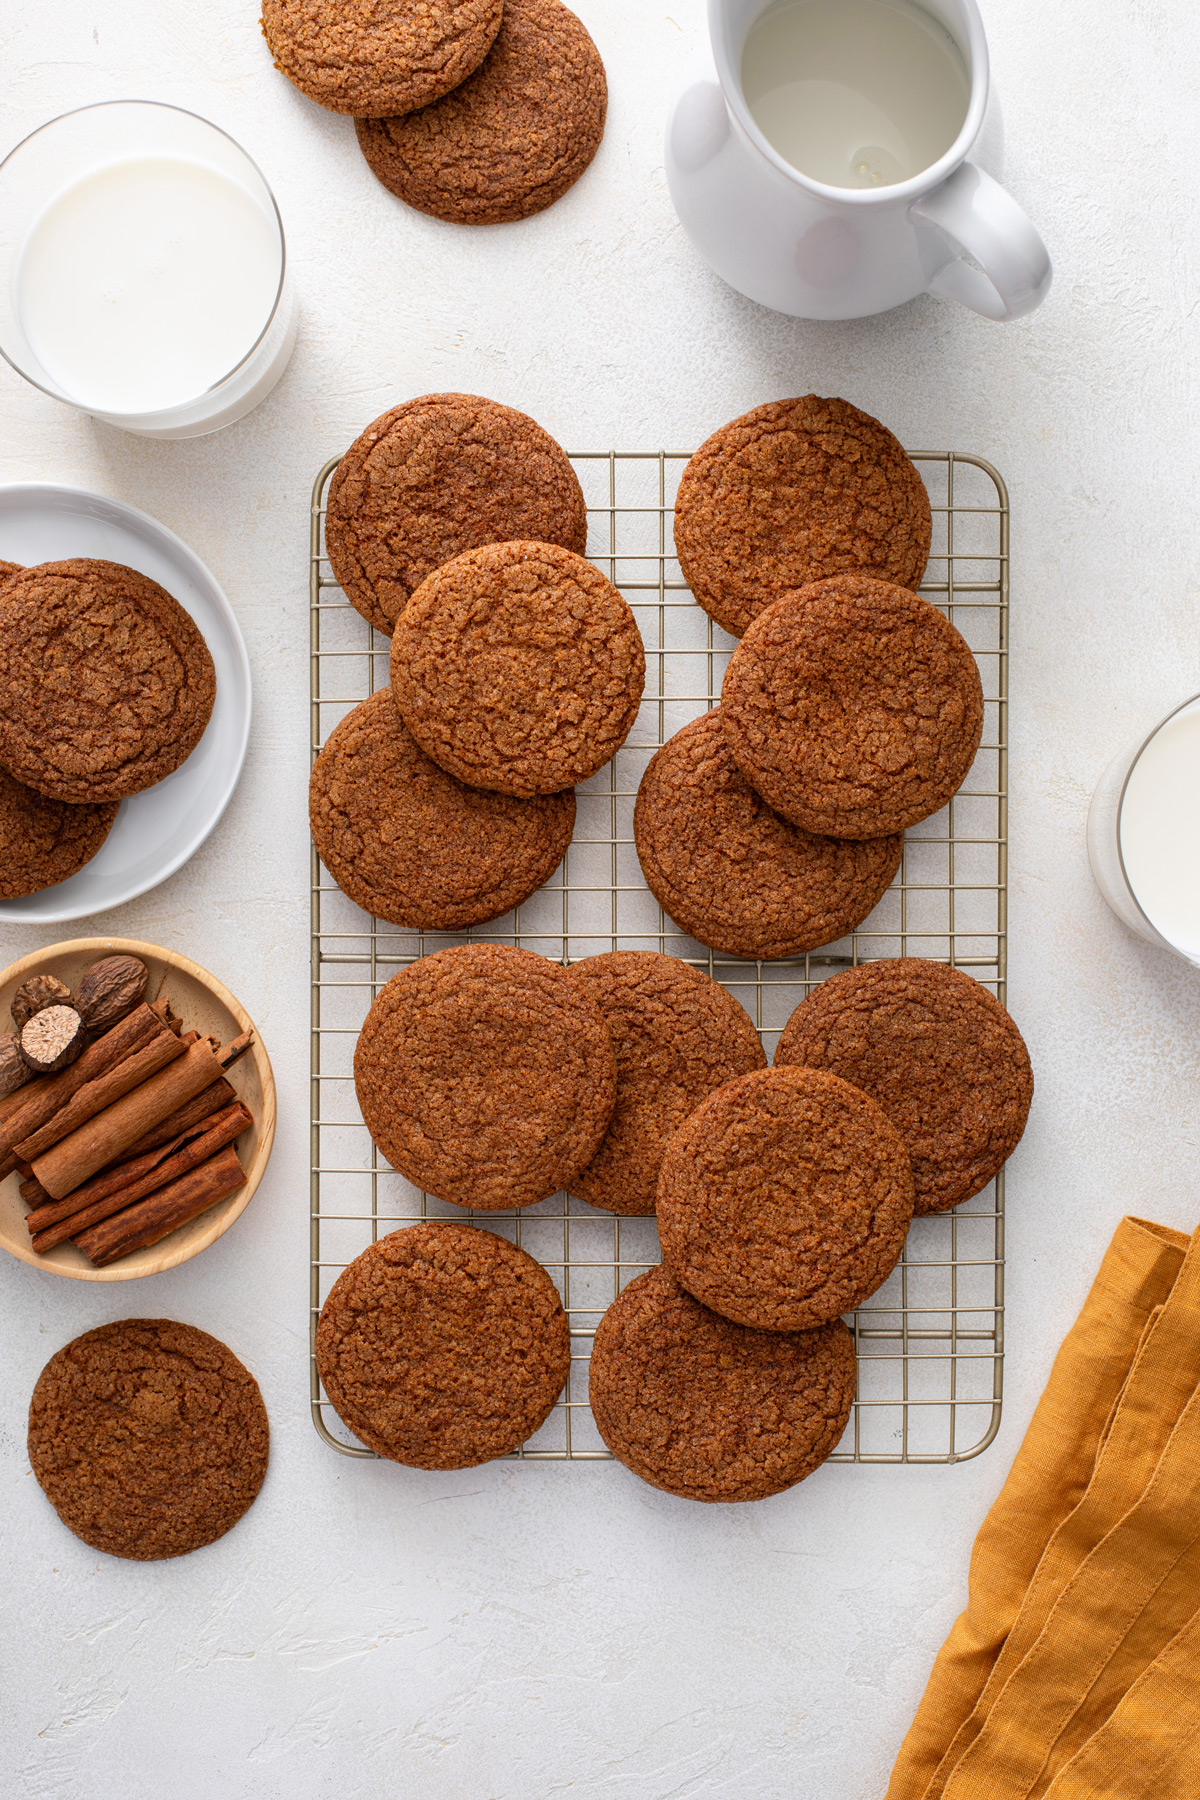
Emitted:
<point x="518" y="1632"/>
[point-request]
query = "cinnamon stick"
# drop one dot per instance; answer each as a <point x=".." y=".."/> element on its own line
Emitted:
<point x="209" y="1100"/>
<point x="163" y="1211"/>
<point x="94" y="1096"/>
<point x="46" y="1095"/>
<point x="106" y="1137"/>
<point x="61" y="1219"/>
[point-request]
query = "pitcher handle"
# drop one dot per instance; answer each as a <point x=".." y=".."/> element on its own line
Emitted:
<point x="980" y="217"/>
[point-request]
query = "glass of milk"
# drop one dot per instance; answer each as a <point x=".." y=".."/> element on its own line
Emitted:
<point x="1143" y="833"/>
<point x="143" y="273"/>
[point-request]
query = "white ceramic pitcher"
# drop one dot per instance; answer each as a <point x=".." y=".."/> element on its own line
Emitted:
<point x="821" y="252"/>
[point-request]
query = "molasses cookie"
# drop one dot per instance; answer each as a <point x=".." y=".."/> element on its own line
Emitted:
<point x="677" y="1035"/>
<point x="486" y="1076"/>
<point x="442" y="1346"/>
<point x="709" y="1410"/>
<point x="519" y="668"/>
<point x="148" y="1437"/>
<point x="854" y="707"/>
<point x="437" y="476"/>
<point x="734" y="874"/>
<point x="792" y="492"/>
<point x="937" y="1052"/>
<point x="513" y="138"/>
<point x="44" y="841"/>
<point x="784" y="1200"/>
<point x="412" y="845"/>
<point x="106" y="685"/>
<point x="375" y="57"/>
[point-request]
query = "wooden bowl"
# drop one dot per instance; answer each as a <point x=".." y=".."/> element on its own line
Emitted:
<point x="204" y="1005"/>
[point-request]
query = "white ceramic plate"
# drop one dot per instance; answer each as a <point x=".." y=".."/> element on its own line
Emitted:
<point x="156" y="831"/>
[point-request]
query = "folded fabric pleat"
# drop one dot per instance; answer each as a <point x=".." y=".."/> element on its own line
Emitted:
<point x="1075" y="1668"/>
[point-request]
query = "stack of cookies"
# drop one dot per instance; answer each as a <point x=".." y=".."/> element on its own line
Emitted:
<point x="784" y="1201"/>
<point x="457" y="527"/>
<point x="476" y="111"/>
<point x="493" y="1078"/>
<point x="106" y="687"/>
<point x="850" y="710"/>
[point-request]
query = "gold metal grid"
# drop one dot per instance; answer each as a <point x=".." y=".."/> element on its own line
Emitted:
<point x="930" y="1342"/>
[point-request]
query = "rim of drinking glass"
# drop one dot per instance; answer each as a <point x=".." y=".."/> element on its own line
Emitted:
<point x="893" y="193"/>
<point x="160" y="106"/>
<point x="1139" y="753"/>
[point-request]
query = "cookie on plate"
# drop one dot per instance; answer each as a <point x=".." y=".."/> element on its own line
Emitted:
<point x="434" y="477"/>
<point x="784" y="1200"/>
<point x="412" y="845"/>
<point x="443" y="1346"/>
<point x="149" y="1438"/>
<point x="513" y="138"/>
<point x="792" y="492"/>
<point x="677" y="1036"/>
<point x="937" y="1052"/>
<point x="43" y="841"/>
<point x="709" y="1410"/>
<point x="731" y="871"/>
<point x="518" y="667"/>
<point x="854" y="707"/>
<point x="486" y="1075"/>
<point x="106" y="684"/>
<point x="375" y="57"/>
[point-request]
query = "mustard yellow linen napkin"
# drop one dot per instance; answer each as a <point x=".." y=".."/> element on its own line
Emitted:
<point x="1074" y="1673"/>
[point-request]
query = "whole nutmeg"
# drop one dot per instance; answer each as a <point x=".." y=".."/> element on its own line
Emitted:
<point x="53" y="1038"/>
<point x="34" y="995"/>
<point x="110" y="989"/>
<point x="14" y="1071"/>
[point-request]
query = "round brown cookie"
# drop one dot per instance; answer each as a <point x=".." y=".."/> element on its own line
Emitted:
<point x="938" y="1053"/>
<point x="106" y="685"/>
<point x="519" y="668"/>
<point x="709" y="1410"/>
<point x="443" y="1346"/>
<point x="437" y="476"/>
<point x="44" y="841"/>
<point x="486" y="1076"/>
<point x="731" y="871"/>
<point x="412" y="845"/>
<point x="677" y="1035"/>
<point x="784" y="1200"/>
<point x="854" y="707"/>
<point x="375" y="57"/>
<point x="792" y="492"/>
<point x="149" y="1438"/>
<point x="513" y="138"/>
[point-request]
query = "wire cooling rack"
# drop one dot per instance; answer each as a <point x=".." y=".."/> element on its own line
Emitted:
<point x="930" y="1342"/>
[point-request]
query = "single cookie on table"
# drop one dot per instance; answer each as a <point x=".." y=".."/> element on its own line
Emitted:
<point x="709" y="1410"/>
<point x="486" y="1076"/>
<point x="513" y="138"/>
<point x="434" y="477"/>
<point x="792" y="492"/>
<point x="937" y="1052"/>
<point x="106" y="684"/>
<point x="413" y="845"/>
<point x="149" y="1438"/>
<point x="677" y="1036"/>
<point x="854" y="707"/>
<point x="784" y="1199"/>
<point x="731" y="871"/>
<point x="443" y="1346"/>
<point x="518" y="667"/>
<point x="43" y="841"/>
<point x="376" y="57"/>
